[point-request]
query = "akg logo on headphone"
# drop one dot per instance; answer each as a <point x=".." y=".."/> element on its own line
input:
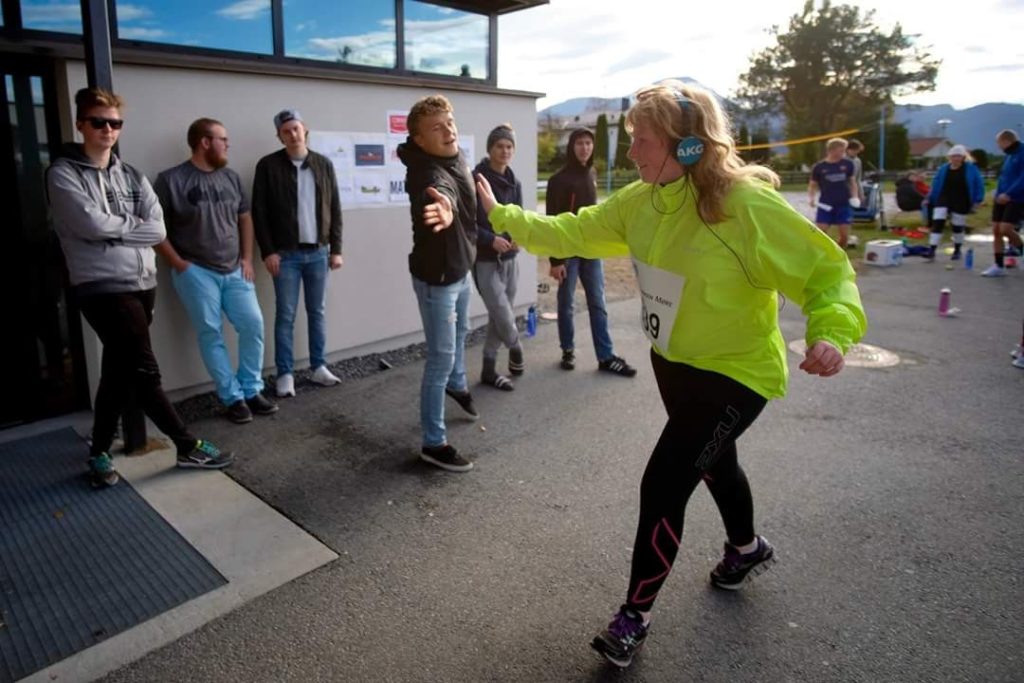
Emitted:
<point x="689" y="150"/>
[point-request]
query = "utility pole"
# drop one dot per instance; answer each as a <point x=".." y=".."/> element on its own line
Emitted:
<point x="881" y="171"/>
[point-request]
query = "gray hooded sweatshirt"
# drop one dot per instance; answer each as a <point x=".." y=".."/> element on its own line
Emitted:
<point x="108" y="221"/>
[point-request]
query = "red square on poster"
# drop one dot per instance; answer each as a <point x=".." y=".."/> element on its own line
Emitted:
<point x="396" y="124"/>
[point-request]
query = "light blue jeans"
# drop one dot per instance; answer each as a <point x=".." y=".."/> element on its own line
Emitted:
<point x="445" y="314"/>
<point x="308" y="269"/>
<point x="206" y="294"/>
<point x="591" y="273"/>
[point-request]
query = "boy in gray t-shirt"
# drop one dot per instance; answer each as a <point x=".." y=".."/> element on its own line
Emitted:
<point x="209" y="246"/>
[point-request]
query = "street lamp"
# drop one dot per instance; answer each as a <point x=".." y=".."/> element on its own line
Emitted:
<point x="945" y="124"/>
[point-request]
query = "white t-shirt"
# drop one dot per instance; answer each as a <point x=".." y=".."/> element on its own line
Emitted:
<point x="306" y="210"/>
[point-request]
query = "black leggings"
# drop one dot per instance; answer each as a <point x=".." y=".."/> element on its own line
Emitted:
<point x="707" y="412"/>
<point x="129" y="374"/>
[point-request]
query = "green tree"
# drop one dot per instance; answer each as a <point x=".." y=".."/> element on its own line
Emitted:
<point x="833" y="68"/>
<point x="622" y="159"/>
<point x="980" y="157"/>
<point x="897" y="148"/>
<point x="547" y="151"/>
<point x="601" y="141"/>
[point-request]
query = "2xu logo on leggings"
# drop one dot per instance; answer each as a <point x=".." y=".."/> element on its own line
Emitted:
<point x="722" y="431"/>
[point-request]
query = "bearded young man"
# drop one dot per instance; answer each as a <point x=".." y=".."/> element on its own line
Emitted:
<point x="209" y="245"/>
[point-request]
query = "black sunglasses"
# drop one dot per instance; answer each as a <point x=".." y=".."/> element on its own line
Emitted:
<point x="99" y="123"/>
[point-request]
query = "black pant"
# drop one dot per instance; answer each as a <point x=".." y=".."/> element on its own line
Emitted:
<point x="707" y="412"/>
<point x="129" y="375"/>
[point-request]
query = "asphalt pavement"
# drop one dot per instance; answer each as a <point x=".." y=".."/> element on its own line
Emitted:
<point x="892" y="496"/>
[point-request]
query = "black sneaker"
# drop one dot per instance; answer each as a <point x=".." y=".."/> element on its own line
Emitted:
<point x="239" y="413"/>
<point x="261" y="405"/>
<point x="735" y="569"/>
<point x="568" y="359"/>
<point x="445" y="457"/>
<point x="101" y="471"/>
<point x="622" y="639"/>
<point x="465" y="401"/>
<point x="617" y="365"/>
<point x="205" y="456"/>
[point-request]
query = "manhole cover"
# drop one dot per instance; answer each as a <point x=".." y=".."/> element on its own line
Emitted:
<point x="860" y="356"/>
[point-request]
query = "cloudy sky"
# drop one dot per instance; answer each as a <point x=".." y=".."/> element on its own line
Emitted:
<point x="609" y="48"/>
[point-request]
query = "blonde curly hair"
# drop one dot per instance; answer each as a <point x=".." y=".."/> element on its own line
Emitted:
<point x="720" y="167"/>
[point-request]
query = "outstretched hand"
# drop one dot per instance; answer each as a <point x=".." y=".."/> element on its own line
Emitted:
<point x="822" y="359"/>
<point x="484" y="194"/>
<point x="439" y="214"/>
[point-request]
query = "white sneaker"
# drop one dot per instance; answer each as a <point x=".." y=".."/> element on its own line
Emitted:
<point x="1018" y="362"/>
<point x="1018" y="351"/>
<point x="994" y="271"/>
<point x="286" y="385"/>
<point x="324" y="377"/>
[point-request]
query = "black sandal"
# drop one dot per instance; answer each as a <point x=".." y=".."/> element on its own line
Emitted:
<point x="499" y="382"/>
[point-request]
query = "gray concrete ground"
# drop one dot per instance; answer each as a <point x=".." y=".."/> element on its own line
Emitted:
<point x="893" y="498"/>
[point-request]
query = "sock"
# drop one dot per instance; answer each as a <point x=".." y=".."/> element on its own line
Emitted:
<point x="999" y="259"/>
<point x="748" y="548"/>
<point x="515" y="354"/>
<point x="489" y="372"/>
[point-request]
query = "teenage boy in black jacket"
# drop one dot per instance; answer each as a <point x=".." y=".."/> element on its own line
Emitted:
<point x="571" y="188"/>
<point x="443" y="209"/>
<point x="296" y="213"/>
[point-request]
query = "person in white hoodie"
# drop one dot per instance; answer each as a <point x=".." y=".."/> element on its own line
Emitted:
<point x="108" y="219"/>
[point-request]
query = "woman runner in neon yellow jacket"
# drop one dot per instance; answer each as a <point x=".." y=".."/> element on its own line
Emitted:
<point x="713" y="244"/>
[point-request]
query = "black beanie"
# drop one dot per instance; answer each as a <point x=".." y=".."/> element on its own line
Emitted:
<point x="502" y="132"/>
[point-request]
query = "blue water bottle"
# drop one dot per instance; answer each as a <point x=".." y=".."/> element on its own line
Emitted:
<point x="969" y="259"/>
<point x="531" y="321"/>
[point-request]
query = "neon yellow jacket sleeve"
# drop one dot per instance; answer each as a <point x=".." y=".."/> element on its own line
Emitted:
<point x="799" y="260"/>
<point x="595" y="232"/>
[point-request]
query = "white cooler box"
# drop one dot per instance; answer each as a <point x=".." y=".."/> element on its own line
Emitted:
<point x="883" y="253"/>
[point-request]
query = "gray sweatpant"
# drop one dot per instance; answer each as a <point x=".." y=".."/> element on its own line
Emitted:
<point x="496" y="281"/>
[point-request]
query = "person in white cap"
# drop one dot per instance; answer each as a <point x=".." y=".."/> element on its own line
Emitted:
<point x="297" y="215"/>
<point x="958" y="189"/>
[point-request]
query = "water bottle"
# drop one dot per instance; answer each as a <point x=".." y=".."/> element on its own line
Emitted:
<point x="945" y="294"/>
<point x="531" y="321"/>
<point x="969" y="259"/>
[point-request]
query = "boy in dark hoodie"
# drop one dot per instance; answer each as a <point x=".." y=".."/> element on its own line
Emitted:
<point x="108" y="220"/>
<point x="442" y="199"/>
<point x="572" y="187"/>
<point x="496" y="271"/>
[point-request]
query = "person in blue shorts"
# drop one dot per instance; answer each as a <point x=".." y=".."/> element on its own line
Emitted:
<point x="835" y="178"/>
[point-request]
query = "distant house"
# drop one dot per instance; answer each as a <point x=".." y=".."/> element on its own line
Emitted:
<point x="929" y="152"/>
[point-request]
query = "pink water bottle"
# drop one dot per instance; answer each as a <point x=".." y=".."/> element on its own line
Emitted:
<point x="944" y="296"/>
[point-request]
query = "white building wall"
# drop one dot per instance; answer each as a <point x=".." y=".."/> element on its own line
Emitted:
<point x="370" y="302"/>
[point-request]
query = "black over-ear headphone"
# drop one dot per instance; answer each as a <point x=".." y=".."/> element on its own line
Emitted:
<point x="689" y="149"/>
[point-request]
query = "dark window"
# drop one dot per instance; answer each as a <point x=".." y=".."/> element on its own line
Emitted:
<point x="360" y="32"/>
<point x="238" y="25"/>
<point x="62" y="16"/>
<point x="440" y="40"/>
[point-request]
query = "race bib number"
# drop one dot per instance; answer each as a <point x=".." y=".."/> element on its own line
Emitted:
<point x="660" y="293"/>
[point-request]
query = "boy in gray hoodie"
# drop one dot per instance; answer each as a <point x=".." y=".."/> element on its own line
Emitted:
<point x="108" y="220"/>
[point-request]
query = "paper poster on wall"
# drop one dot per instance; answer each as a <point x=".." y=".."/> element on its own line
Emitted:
<point x="468" y="148"/>
<point x="337" y="147"/>
<point x="396" y="186"/>
<point x="369" y="154"/>
<point x="370" y="187"/>
<point x="397" y="123"/>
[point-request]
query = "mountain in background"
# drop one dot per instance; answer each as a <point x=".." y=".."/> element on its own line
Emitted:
<point x="974" y="127"/>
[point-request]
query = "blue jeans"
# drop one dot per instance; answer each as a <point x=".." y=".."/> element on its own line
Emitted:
<point x="591" y="273"/>
<point x="206" y="294"/>
<point x="445" y="314"/>
<point x="309" y="269"/>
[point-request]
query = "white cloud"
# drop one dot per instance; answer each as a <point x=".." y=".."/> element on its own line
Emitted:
<point x="140" y="33"/>
<point x="245" y="10"/>
<point x="131" y="12"/>
<point x="36" y="15"/>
